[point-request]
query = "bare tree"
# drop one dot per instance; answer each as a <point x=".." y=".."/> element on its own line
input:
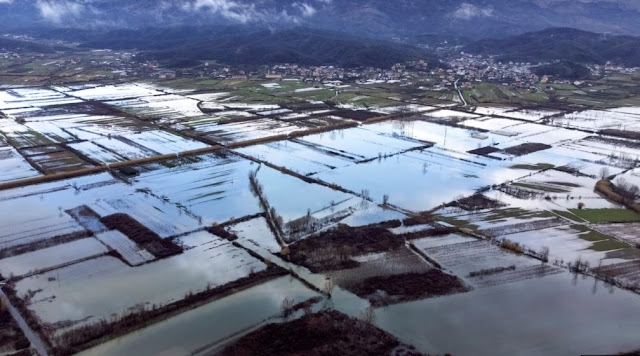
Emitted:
<point x="626" y="159"/>
<point x="287" y="307"/>
<point x="544" y="254"/>
<point x="604" y="173"/>
<point x="345" y="252"/>
<point x="385" y="199"/>
<point x="369" y="315"/>
<point x="307" y="309"/>
<point x="633" y="192"/>
<point x="328" y="287"/>
<point x="629" y="192"/>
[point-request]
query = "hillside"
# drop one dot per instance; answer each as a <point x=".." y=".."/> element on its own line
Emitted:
<point x="240" y="45"/>
<point x="563" y="69"/>
<point x="435" y="39"/>
<point x="562" y="44"/>
<point x="12" y="45"/>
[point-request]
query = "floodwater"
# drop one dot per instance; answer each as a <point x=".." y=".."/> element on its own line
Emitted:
<point x="432" y="177"/>
<point x="212" y="322"/>
<point x="554" y="315"/>
<point x="86" y="290"/>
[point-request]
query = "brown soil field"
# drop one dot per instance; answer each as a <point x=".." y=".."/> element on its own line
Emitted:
<point x="476" y="202"/>
<point x="141" y="235"/>
<point x="331" y="250"/>
<point x="436" y="231"/>
<point x="385" y="290"/>
<point x="359" y="115"/>
<point x="219" y="230"/>
<point x="419" y="219"/>
<point x="11" y="336"/>
<point x="526" y="148"/>
<point x="484" y="151"/>
<point x="621" y="133"/>
<point x="325" y="333"/>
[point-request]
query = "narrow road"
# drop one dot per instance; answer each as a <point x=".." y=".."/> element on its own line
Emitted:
<point x="459" y="92"/>
<point x="35" y="340"/>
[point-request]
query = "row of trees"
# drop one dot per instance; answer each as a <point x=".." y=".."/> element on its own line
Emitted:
<point x="629" y="192"/>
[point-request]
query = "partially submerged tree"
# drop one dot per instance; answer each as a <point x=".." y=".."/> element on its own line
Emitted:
<point x="628" y="191"/>
<point x="328" y="287"/>
<point x="369" y="315"/>
<point x="544" y="254"/>
<point x="287" y="307"/>
<point x="604" y="173"/>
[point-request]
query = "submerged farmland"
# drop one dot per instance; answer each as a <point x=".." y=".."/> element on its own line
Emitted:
<point x="138" y="219"/>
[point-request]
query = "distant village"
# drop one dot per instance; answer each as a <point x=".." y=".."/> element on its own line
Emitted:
<point x="466" y="69"/>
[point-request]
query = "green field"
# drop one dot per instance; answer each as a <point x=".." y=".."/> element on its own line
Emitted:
<point x="568" y="215"/>
<point x="607" y="215"/>
<point x="601" y="242"/>
<point x="539" y="187"/>
<point x="533" y="167"/>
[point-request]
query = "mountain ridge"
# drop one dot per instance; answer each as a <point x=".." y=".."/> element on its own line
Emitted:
<point x="566" y="44"/>
<point x="241" y="45"/>
<point x="370" y="18"/>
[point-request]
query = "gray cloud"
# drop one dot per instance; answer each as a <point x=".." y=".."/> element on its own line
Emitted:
<point x="468" y="11"/>
<point x="87" y="12"/>
<point x="229" y="9"/>
<point x="305" y="9"/>
<point x="628" y="4"/>
<point x="245" y="12"/>
<point x="57" y="11"/>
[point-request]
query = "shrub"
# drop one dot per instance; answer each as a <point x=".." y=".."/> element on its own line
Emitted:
<point x="611" y="192"/>
<point x="3" y="305"/>
<point x="22" y="343"/>
<point x="419" y="219"/>
<point x="490" y="271"/>
<point x="222" y="232"/>
<point x="513" y="246"/>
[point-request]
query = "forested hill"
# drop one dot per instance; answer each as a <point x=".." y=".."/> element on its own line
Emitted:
<point x="243" y="46"/>
<point x="562" y="44"/>
<point x="12" y="45"/>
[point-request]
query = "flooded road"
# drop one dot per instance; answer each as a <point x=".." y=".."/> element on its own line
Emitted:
<point x="35" y="340"/>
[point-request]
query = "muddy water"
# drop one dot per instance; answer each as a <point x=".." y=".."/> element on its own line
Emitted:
<point x="85" y="290"/>
<point x="554" y="315"/>
<point x="212" y="322"/>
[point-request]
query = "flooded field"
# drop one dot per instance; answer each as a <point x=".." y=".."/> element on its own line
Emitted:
<point x="550" y="315"/>
<point x="139" y="219"/>
<point x="193" y="331"/>
<point x="79" y="293"/>
<point x="622" y="119"/>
